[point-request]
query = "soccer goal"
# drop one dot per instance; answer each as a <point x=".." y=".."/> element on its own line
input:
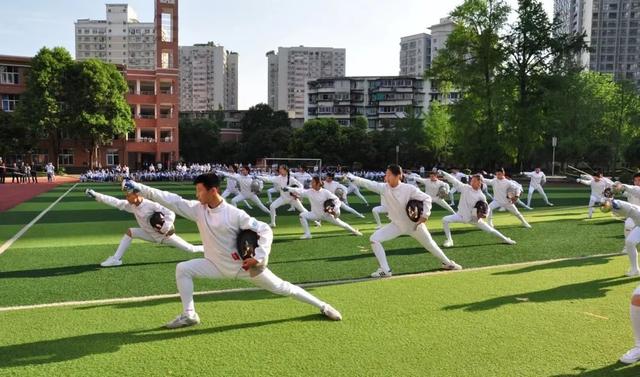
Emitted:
<point x="310" y="165"/>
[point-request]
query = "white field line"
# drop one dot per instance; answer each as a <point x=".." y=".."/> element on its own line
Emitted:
<point x="22" y="231"/>
<point x="305" y="285"/>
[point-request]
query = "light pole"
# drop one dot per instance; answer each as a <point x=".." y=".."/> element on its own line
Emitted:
<point x="554" y="143"/>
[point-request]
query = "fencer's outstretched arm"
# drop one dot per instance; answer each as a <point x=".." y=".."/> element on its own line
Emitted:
<point x="376" y="187"/>
<point x="120" y="204"/>
<point x="451" y="179"/>
<point x="174" y="202"/>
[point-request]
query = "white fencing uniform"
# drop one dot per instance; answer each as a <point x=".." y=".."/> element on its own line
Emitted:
<point x="395" y="201"/>
<point x="232" y="189"/>
<point x="597" y="188"/>
<point x="632" y="193"/>
<point x="377" y="211"/>
<point x="500" y="199"/>
<point x="631" y="212"/>
<point x="431" y="188"/>
<point x="332" y="187"/>
<point x="279" y="182"/>
<point x="317" y="213"/>
<point x="353" y="189"/>
<point x="244" y="181"/>
<point x="468" y="199"/>
<point x="535" y="184"/>
<point x="459" y="176"/>
<point x="219" y="228"/>
<point x="146" y="232"/>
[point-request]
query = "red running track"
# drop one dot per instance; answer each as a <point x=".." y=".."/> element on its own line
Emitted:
<point x="12" y="194"/>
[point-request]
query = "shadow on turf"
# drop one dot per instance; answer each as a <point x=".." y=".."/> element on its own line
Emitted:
<point x="617" y="369"/>
<point x="76" y="347"/>
<point x="70" y="270"/>
<point x="587" y="261"/>
<point x="578" y="291"/>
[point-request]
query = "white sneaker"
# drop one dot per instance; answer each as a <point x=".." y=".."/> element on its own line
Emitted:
<point x="632" y="356"/>
<point x="451" y="266"/>
<point x="527" y="225"/>
<point x="448" y="243"/>
<point x="331" y="313"/>
<point x="633" y="272"/>
<point x="624" y="251"/>
<point x="380" y="273"/>
<point x="305" y="237"/>
<point x="378" y="227"/>
<point x="291" y="210"/>
<point x="357" y="233"/>
<point x="550" y="204"/>
<point x="318" y="223"/>
<point x="198" y="249"/>
<point x="509" y="241"/>
<point x="183" y="320"/>
<point x="361" y="216"/>
<point x="502" y="209"/>
<point x="111" y="262"/>
<point x="272" y="225"/>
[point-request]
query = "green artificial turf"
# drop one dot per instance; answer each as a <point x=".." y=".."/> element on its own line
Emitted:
<point x="558" y="319"/>
<point x="58" y="258"/>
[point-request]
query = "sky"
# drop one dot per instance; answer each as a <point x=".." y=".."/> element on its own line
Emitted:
<point x="369" y="30"/>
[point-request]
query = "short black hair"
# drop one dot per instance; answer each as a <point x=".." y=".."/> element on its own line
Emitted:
<point x="330" y="175"/>
<point x="598" y="174"/>
<point x="395" y="169"/>
<point x="636" y="175"/>
<point x="208" y="180"/>
<point x="317" y="179"/>
<point x="433" y="172"/>
<point x="501" y="170"/>
<point x="248" y="169"/>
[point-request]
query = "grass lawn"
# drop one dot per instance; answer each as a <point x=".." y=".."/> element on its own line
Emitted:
<point x="561" y="318"/>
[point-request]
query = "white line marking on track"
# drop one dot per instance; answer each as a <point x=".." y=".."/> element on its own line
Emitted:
<point x="124" y="300"/>
<point x="22" y="231"/>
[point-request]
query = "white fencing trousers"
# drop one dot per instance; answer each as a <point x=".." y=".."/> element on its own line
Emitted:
<point x="376" y="211"/>
<point x="355" y="190"/>
<point x="509" y="207"/>
<point x="175" y="240"/>
<point x="270" y="192"/>
<point x="629" y="224"/>
<point x="442" y="203"/>
<point x="592" y="201"/>
<point x="310" y="216"/>
<point x="252" y="197"/>
<point x="228" y="192"/>
<point x="630" y="244"/>
<point x="539" y="189"/>
<point x="451" y="197"/>
<point x="204" y="268"/>
<point x="480" y="224"/>
<point x="282" y="201"/>
<point x="392" y="231"/>
<point x="344" y="206"/>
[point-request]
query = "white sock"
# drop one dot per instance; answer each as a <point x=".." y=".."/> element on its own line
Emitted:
<point x="632" y="252"/>
<point x="179" y="243"/>
<point x="447" y="231"/>
<point x="378" y="250"/>
<point x="185" y="288"/>
<point x="124" y="245"/>
<point x="635" y="323"/>
<point x="590" y="212"/>
<point x="305" y="226"/>
<point x="491" y="230"/>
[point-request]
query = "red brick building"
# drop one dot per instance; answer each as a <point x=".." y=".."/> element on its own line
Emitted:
<point x="153" y="96"/>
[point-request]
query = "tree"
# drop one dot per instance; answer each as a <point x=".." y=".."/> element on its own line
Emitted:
<point x="318" y="138"/>
<point x="265" y="133"/>
<point x="200" y="140"/>
<point x="42" y="104"/>
<point x="471" y="61"/>
<point x="438" y="130"/>
<point x="95" y="104"/>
